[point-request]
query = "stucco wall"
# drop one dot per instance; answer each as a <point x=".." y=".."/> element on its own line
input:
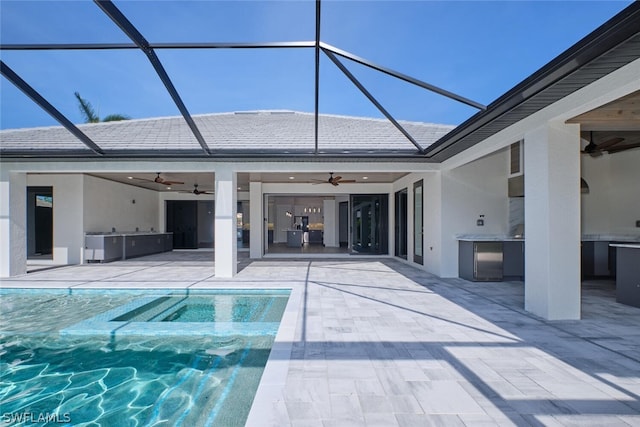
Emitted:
<point x="477" y="188"/>
<point x="109" y="204"/>
<point x="68" y="220"/>
<point x="612" y="205"/>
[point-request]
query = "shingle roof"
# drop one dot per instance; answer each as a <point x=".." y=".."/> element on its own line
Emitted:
<point x="256" y="131"/>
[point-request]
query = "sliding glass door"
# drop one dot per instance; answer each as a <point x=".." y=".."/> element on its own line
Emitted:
<point x="369" y="223"/>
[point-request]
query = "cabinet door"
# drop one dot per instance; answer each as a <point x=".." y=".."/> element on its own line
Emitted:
<point x="514" y="259"/>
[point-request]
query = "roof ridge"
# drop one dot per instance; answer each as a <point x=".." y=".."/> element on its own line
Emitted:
<point x="229" y="113"/>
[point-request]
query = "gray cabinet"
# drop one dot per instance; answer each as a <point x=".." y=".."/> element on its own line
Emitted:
<point x="513" y="268"/>
<point x="596" y="259"/>
<point x="294" y="238"/>
<point x="102" y="248"/>
<point x="112" y="247"/>
<point x="315" y="236"/>
<point x="628" y="275"/>
<point x="491" y="260"/>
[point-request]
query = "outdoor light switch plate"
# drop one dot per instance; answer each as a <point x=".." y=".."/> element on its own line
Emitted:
<point x="480" y="222"/>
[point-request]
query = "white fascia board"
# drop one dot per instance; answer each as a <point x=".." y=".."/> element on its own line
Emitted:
<point x="615" y="85"/>
<point x="198" y="165"/>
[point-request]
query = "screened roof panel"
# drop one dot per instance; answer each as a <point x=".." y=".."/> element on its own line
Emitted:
<point x="24" y="113"/>
<point x="228" y="80"/>
<point x="134" y="87"/>
<point x="222" y="21"/>
<point x="445" y="44"/>
<point x="405" y="101"/>
<point x="56" y="22"/>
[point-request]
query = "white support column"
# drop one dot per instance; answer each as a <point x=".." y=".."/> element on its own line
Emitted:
<point x="226" y="239"/>
<point x="256" y="219"/>
<point x="552" y="221"/>
<point x="13" y="224"/>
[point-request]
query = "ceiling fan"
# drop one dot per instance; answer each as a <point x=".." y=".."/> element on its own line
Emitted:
<point x="159" y="180"/>
<point x="335" y="181"/>
<point x="595" y="150"/>
<point x="196" y="191"/>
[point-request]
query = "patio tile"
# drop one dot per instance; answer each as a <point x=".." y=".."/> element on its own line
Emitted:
<point x="377" y="342"/>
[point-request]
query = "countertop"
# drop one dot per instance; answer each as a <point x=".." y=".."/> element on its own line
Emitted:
<point x="611" y="238"/>
<point x="626" y="238"/>
<point x="626" y="245"/>
<point x="488" y="238"/>
<point x="127" y="233"/>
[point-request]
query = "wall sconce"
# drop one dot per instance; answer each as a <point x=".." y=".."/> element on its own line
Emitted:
<point x="584" y="187"/>
<point x="288" y="214"/>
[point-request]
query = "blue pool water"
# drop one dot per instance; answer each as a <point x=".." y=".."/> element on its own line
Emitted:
<point x="146" y="376"/>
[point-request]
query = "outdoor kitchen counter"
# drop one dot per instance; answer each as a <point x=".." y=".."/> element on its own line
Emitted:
<point x="488" y="238"/>
<point x="106" y="247"/>
<point x="628" y="273"/>
<point x="506" y="254"/>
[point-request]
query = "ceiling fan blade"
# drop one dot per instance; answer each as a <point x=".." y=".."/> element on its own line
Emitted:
<point x="143" y="179"/>
<point x="337" y="178"/>
<point x="172" y="182"/>
<point x="623" y="147"/>
<point x="347" y="180"/>
<point x="609" y="143"/>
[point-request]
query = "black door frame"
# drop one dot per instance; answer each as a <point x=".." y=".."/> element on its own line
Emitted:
<point x="418" y="222"/>
<point x="39" y="223"/>
<point x="377" y="225"/>
<point x="401" y="223"/>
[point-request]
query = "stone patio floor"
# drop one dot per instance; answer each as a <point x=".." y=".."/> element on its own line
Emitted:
<point x="377" y="342"/>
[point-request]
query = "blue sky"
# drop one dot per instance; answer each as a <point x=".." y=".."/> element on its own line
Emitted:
<point x="476" y="49"/>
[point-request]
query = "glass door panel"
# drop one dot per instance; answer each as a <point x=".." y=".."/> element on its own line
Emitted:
<point x="401" y="223"/>
<point x="418" y="230"/>
<point x="369" y="218"/>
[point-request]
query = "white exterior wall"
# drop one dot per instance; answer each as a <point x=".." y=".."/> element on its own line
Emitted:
<point x="330" y="219"/>
<point x="68" y="218"/>
<point x="257" y="220"/>
<point x="226" y="242"/>
<point x="477" y="188"/>
<point x="13" y="224"/>
<point x="432" y="236"/>
<point x="612" y="205"/>
<point x="109" y="204"/>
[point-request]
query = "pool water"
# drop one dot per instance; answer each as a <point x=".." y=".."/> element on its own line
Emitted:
<point x="131" y="380"/>
<point x="219" y="308"/>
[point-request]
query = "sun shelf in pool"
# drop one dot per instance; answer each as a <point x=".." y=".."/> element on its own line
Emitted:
<point x="221" y="313"/>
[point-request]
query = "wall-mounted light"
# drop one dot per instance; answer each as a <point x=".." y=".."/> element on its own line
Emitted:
<point x="584" y="187"/>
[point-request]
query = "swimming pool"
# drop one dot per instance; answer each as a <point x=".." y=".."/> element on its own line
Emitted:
<point x="132" y="369"/>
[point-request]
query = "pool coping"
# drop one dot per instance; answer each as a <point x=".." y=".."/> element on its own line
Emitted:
<point x="268" y="402"/>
